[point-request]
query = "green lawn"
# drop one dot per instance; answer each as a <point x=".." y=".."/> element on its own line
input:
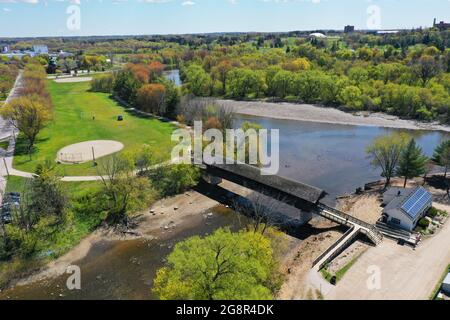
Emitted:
<point x="74" y="108"/>
<point x="74" y="189"/>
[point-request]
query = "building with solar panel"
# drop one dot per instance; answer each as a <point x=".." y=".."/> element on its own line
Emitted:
<point x="405" y="207"/>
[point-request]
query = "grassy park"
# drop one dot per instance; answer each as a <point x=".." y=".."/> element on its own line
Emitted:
<point x="73" y="121"/>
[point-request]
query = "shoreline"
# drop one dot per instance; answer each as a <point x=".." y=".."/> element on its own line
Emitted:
<point x="328" y="115"/>
<point x="151" y="224"/>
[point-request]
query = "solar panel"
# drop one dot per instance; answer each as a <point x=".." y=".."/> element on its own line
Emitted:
<point x="416" y="202"/>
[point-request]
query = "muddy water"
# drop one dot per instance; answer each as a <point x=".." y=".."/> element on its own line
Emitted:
<point x="328" y="156"/>
<point x="333" y="156"/>
<point x="124" y="269"/>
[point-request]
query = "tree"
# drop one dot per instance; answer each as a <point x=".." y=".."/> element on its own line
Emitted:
<point x="29" y="115"/>
<point x="441" y="156"/>
<point x="175" y="179"/>
<point x="412" y="162"/>
<point x="151" y="98"/>
<point x="198" y="81"/>
<point x="47" y="194"/>
<point x="385" y="153"/>
<point x="123" y="191"/>
<point x="426" y="68"/>
<point x="126" y="86"/>
<point x="243" y="82"/>
<point x="222" y="266"/>
<point x="282" y="82"/>
<point x="222" y="70"/>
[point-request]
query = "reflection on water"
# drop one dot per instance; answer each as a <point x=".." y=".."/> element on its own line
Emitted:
<point x="328" y="156"/>
<point x="123" y="269"/>
<point x="332" y="157"/>
<point x="174" y="76"/>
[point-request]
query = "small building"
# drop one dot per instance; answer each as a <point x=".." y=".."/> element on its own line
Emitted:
<point x="404" y="207"/>
<point x="40" y="49"/>
<point x="446" y="285"/>
<point x="349" y="29"/>
<point x="317" y="35"/>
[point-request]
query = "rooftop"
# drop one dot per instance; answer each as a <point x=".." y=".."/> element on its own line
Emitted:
<point x="410" y="201"/>
<point x="447" y="279"/>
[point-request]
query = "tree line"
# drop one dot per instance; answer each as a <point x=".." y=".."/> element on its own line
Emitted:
<point x="143" y="86"/>
<point x="398" y="155"/>
<point x="412" y="83"/>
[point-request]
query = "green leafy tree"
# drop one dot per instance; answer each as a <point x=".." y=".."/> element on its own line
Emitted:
<point x="175" y="179"/>
<point x="126" y="86"/>
<point x="29" y="115"/>
<point x="441" y="155"/>
<point x="385" y="153"/>
<point x="412" y="162"/>
<point x="222" y="266"/>
<point x="123" y="191"/>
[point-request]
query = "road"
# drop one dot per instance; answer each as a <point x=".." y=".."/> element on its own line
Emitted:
<point x="390" y="271"/>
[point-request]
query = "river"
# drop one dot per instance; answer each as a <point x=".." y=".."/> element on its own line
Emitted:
<point x="328" y="156"/>
<point x="333" y="156"/>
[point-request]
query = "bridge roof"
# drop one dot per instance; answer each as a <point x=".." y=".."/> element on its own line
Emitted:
<point x="294" y="188"/>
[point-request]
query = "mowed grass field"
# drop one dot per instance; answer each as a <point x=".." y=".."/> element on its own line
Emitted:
<point x="74" y="109"/>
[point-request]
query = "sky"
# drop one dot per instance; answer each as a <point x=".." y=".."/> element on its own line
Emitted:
<point x="35" y="18"/>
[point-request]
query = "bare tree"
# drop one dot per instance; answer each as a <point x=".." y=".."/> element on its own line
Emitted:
<point x="263" y="210"/>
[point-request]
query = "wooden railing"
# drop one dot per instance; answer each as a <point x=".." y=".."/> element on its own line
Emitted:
<point x="332" y="247"/>
<point x="345" y="218"/>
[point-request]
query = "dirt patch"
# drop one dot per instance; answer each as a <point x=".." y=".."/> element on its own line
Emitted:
<point x="355" y="250"/>
<point x="170" y="214"/>
<point x="298" y="261"/>
<point x="85" y="151"/>
<point x="73" y="79"/>
<point x="365" y="207"/>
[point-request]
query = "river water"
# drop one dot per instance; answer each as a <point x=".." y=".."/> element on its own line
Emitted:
<point x="333" y="156"/>
<point x="328" y="156"/>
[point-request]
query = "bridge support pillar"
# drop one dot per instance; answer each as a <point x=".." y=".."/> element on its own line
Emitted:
<point x="305" y="217"/>
<point x="212" y="179"/>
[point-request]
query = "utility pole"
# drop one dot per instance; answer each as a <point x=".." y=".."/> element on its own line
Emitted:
<point x="93" y="156"/>
<point x="6" y="167"/>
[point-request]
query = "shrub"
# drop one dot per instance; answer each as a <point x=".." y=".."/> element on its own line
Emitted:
<point x="424" y="223"/>
<point x="433" y="212"/>
<point x="175" y="179"/>
<point x="104" y="84"/>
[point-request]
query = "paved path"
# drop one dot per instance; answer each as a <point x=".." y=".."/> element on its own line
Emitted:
<point x="6" y="132"/>
<point x="405" y="274"/>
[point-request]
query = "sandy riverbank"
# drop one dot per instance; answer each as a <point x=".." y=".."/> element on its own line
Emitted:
<point x="312" y="113"/>
<point x="150" y="224"/>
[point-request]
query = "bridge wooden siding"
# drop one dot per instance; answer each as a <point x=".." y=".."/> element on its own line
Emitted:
<point x="300" y="195"/>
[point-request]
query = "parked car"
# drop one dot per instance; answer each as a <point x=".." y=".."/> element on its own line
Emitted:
<point x="10" y="201"/>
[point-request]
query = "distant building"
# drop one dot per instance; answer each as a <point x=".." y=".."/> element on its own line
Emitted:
<point x="349" y="29"/>
<point x="405" y="207"/>
<point x="317" y="35"/>
<point x="446" y="285"/>
<point x="5" y="49"/>
<point x="387" y="31"/>
<point x="441" y="25"/>
<point x="40" y="49"/>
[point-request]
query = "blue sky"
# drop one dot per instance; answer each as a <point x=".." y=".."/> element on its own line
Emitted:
<point x="126" y="17"/>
